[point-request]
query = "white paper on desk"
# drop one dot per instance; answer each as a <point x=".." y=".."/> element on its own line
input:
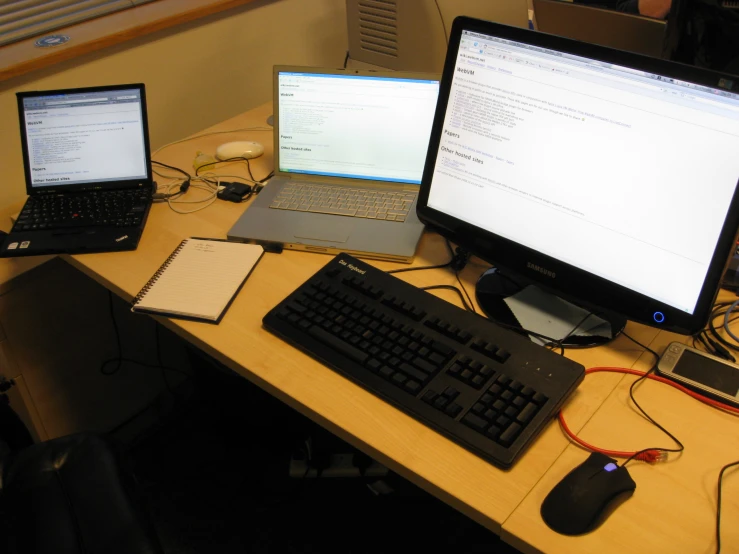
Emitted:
<point x="545" y="313"/>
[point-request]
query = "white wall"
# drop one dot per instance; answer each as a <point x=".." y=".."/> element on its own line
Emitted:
<point x="196" y="74"/>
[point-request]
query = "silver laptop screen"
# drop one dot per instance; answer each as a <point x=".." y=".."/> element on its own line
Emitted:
<point x="603" y="167"/>
<point x="85" y="137"/>
<point x="353" y="126"/>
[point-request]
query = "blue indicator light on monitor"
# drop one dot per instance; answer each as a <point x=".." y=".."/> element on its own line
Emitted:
<point x="611" y="467"/>
<point x="659" y="317"/>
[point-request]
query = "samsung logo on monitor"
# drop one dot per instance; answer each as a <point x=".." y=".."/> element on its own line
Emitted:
<point x="541" y="270"/>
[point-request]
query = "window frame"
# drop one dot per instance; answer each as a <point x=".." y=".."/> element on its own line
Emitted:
<point x="22" y="57"/>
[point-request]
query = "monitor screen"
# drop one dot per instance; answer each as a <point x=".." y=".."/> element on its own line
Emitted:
<point x="354" y="126"/>
<point x="85" y="136"/>
<point x="605" y="176"/>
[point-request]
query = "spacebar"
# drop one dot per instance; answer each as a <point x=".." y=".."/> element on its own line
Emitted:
<point x="338" y="344"/>
<point x="333" y="211"/>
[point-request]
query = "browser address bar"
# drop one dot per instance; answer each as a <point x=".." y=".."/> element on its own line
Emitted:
<point x="77" y="101"/>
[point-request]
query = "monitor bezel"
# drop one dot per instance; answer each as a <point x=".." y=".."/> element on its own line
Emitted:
<point x="574" y="284"/>
<point x="137" y="182"/>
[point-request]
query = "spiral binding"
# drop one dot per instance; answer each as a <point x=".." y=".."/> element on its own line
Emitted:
<point x="158" y="273"/>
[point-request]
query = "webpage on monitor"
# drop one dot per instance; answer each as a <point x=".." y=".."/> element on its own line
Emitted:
<point x="595" y="165"/>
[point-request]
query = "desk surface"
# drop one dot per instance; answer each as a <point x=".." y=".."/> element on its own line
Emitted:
<point x="488" y="495"/>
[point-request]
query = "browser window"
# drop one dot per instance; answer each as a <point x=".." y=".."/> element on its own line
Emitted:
<point x="85" y="137"/>
<point x="355" y="126"/>
<point x="589" y="163"/>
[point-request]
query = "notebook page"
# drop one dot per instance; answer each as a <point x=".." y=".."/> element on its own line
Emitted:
<point x="201" y="278"/>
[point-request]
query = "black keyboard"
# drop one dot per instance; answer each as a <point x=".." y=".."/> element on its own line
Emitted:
<point x="486" y="388"/>
<point x="115" y="208"/>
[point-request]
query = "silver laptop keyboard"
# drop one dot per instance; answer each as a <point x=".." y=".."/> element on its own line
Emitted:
<point x="352" y="202"/>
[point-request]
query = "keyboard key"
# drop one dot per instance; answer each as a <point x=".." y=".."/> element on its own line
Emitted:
<point x="429" y="396"/>
<point x="540" y="399"/>
<point x="413" y="372"/>
<point x="453" y="409"/>
<point x="476" y="422"/>
<point x="527" y="413"/>
<point x="510" y="434"/>
<point x="412" y="386"/>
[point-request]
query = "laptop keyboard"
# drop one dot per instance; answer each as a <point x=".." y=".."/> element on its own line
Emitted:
<point x="117" y="208"/>
<point x="352" y="202"/>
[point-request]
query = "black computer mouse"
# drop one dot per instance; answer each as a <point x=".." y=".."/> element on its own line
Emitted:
<point x="580" y="501"/>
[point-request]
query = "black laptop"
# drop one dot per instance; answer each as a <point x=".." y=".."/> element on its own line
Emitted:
<point x="87" y="168"/>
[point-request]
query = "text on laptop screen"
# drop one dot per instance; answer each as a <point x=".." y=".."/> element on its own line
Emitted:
<point x="85" y="137"/>
<point x="362" y="127"/>
<point x="589" y="163"/>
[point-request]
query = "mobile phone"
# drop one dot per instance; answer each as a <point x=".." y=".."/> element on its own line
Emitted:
<point x="705" y="373"/>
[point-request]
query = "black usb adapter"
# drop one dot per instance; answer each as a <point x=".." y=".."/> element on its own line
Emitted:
<point x="234" y="192"/>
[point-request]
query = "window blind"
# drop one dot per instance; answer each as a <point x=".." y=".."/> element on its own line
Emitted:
<point x="20" y="19"/>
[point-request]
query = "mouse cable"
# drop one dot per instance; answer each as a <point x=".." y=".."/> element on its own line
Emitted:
<point x="718" y="504"/>
<point x="208" y="134"/>
<point x="650" y="454"/>
<point x="212" y="165"/>
<point x="662" y="452"/>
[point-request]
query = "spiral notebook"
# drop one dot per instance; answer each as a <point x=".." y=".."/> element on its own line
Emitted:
<point x="199" y="280"/>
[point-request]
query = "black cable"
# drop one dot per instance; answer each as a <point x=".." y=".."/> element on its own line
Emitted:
<point x="162" y="196"/>
<point x="718" y="505"/>
<point x="714" y="330"/>
<point x="439" y="266"/>
<point x="248" y="169"/>
<point x="119" y="359"/>
<point x="467" y="294"/>
<point x="443" y="25"/>
<point x="259" y="182"/>
<point x="712" y="345"/>
<point x="560" y="343"/>
<point x="173" y="168"/>
<point x="346" y="59"/>
<point x="644" y="346"/>
<point x="159" y="359"/>
<point x="632" y="388"/>
<point x="455" y="289"/>
<point x="404" y="269"/>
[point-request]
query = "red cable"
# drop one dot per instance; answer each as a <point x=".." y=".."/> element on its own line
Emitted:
<point x="652" y="455"/>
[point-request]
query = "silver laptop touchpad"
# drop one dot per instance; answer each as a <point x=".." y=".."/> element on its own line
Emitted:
<point x="325" y="230"/>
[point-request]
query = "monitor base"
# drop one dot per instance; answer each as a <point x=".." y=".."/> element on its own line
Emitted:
<point x="494" y="286"/>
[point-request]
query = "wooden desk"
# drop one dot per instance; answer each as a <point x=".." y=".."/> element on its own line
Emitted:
<point x="673" y="509"/>
<point x="479" y="490"/>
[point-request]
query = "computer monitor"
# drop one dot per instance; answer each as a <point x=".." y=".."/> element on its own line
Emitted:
<point x="605" y="177"/>
<point x="412" y="35"/>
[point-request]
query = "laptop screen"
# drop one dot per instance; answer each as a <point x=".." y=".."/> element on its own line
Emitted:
<point x="85" y="137"/>
<point x="354" y="126"/>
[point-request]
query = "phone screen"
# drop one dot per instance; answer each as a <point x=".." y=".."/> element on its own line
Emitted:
<point x="708" y="372"/>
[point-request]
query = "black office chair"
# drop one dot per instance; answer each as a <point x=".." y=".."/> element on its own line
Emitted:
<point x="69" y="495"/>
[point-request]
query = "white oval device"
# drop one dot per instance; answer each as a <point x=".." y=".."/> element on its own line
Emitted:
<point x="239" y="149"/>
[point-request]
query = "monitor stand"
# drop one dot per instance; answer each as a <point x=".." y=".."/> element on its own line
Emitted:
<point x="494" y="286"/>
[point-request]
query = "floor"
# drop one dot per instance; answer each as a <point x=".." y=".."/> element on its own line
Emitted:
<point x="214" y="471"/>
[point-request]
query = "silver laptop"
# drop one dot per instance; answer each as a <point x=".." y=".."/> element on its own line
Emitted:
<point x="624" y="31"/>
<point x="349" y="151"/>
